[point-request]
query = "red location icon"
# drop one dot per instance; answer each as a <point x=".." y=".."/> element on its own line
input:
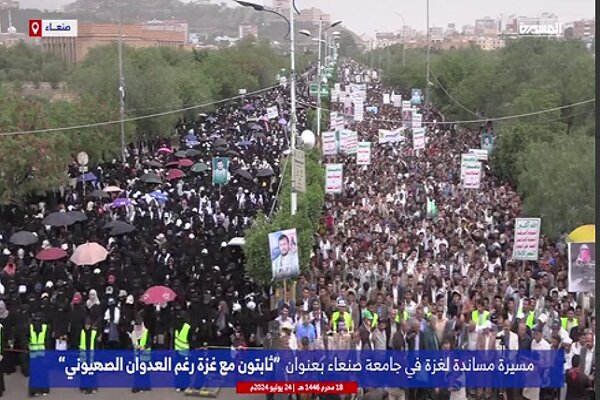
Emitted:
<point x="35" y="28"/>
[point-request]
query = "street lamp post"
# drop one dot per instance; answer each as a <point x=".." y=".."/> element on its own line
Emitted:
<point x="428" y="55"/>
<point x="403" y="39"/>
<point x="121" y="92"/>
<point x="319" y="68"/>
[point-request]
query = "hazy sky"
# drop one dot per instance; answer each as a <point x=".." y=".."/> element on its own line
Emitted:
<point x="369" y="16"/>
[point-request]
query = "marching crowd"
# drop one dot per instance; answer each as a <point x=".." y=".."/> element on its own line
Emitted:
<point x="160" y="221"/>
<point x="391" y="272"/>
<point x="387" y="272"/>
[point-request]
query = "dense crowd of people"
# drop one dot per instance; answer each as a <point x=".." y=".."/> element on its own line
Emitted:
<point x="392" y="272"/>
<point x="387" y="272"/>
<point x="162" y="222"/>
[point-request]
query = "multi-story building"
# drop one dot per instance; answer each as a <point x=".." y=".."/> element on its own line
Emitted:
<point x="490" y="43"/>
<point x="149" y="34"/>
<point x="313" y="15"/>
<point x="486" y="27"/>
<point x="584" y="29"/>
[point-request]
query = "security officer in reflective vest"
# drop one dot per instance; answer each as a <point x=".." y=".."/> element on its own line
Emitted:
<point x="140" y="337"/>
<point x="339" y="314"/>
<point x="181" y="344"/>
<point x="39" y="335"/>
<point x="88" y="339"/>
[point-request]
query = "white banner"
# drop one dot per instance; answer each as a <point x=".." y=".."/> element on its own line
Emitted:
<point x="466" y="158"/>
<point x="333" y="120"/>
<point x="359" y="110"/>
<point x="387" y="136"/>
<point x="334" y="178"/>
<point x="397" y="100"/>
<point x="329" y="144"/>
<point x="363" y="154"/>
<point x="406" y="105"/>
<point x="335" y="96"/>
<point x="419" y="138"/>
<point x="272" y="112"/>
<point x="527" y="238"/>
<point x="472" y="175"/>
<point x="386" y="98"/>
<point x="348" y="141"/>
<point x="416" y="120"/>
<point x="482" y="155"/>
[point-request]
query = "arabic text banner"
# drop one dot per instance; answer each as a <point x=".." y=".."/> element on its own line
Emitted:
<point x="226" y="368"/>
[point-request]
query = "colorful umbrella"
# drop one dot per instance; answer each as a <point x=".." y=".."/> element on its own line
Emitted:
<point x="185" y="162"/>
<point x="165" y="150"/>
<point x="99" y="194"/>
<point x="112" y="189"/>
<point x="282" y="121"/>
<point x="160" y="196"/>
<point x="51" y="254"/>
<point x="193" y="153"/>
<point x="583" y="234"/>
<point x="248" y="107"/>
<point x="23" y="238"/>
<point x="121" y="202"/>
<point x="175" y="174"/>
<point x="199" y="167"/>
<point x="89" y="254"/>
<point x="181" y="154"/>
<point x="172" y="164"/>
<point x="155" y="164"/>
<point x="88" y="177"/>
<point x="158" y="295"/>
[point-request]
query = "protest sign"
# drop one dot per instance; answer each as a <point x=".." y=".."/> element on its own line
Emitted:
<point x="387" y="136"/>
<point x="416" y="96"/>
<point x="527" y="238"/>
<point x="283" y="248"/>
<point x="363" y="154"/>
<point x="358" y="110"/>
<point x="471" y="171"/>
<point x="397" y="100"/>
<point x="272" y="112"/>
<point x="407" y="118"/>
<point x="329" y="143"/>
<point x="416" y="120"/>
<point x="348" y="141"/>
<point x="418" y="138"/>
<point x="334" y="178"/>
<point x="386" y="98"/>
<point x="482" y="155"/>
<point x="406" y="105"/>
<point x="466" y="158"/>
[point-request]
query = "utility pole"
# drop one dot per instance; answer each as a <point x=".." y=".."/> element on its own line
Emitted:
<point x="427" y="99"/>
<point x="294" y="195"/>
<point x="121" y="92"/>
<point x="319" y="80"/>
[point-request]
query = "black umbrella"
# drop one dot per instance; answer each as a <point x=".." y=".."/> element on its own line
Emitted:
<point x="151" y="178"/>
<point x="265" y="172"/>
<point x="256" y="127"/>
<point x="193" y="153"/>
<point x="99" y="194"/>
<point x="155" y="164"/>
<point x="259" y="135"/>
<point x="78" y="216"/>
<point x="23" y="238"/>
<point x="220" y="142"/>
<point x="121" y="228"/>
<point x="232" y="153"/>
<point x="59" y="219"/>
<point x="181" y="154"/>
<point x="243" y="173"/>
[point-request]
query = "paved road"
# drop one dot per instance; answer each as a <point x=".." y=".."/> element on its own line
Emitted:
<point x="16" y="389"/>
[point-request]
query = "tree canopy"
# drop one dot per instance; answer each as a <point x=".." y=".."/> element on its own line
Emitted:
<point x="157" y="80"/>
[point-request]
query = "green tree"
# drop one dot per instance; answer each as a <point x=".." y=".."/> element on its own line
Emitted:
<point x="557" y="181"/>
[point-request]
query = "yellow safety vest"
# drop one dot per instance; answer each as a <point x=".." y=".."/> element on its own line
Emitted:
<point x="347" y="319"/>
<point x="82" y="340"/>
<point x="530" y="322"/>
<point x="475" y="317"/>
<point x="181" y="338"/>
<point x="37" y="342"/>
<point x="565" y="323"/>
<point x="404" y="316"/>
<point x="143" y="343"/>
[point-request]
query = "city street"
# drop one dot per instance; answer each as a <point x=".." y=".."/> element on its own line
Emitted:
<point x="16" y="386"/>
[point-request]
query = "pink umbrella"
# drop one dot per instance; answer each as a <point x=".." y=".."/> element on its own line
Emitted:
<point x="110" y="189"/>
<point x="185" y="162"/>
<point x="172" y="164"/>
<point x="51" y="254"/>
<point x="165" y="150"/>
<point x="158" y="295"/>
<point x="89" y="254"/>
<point x="175" y="174"/>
